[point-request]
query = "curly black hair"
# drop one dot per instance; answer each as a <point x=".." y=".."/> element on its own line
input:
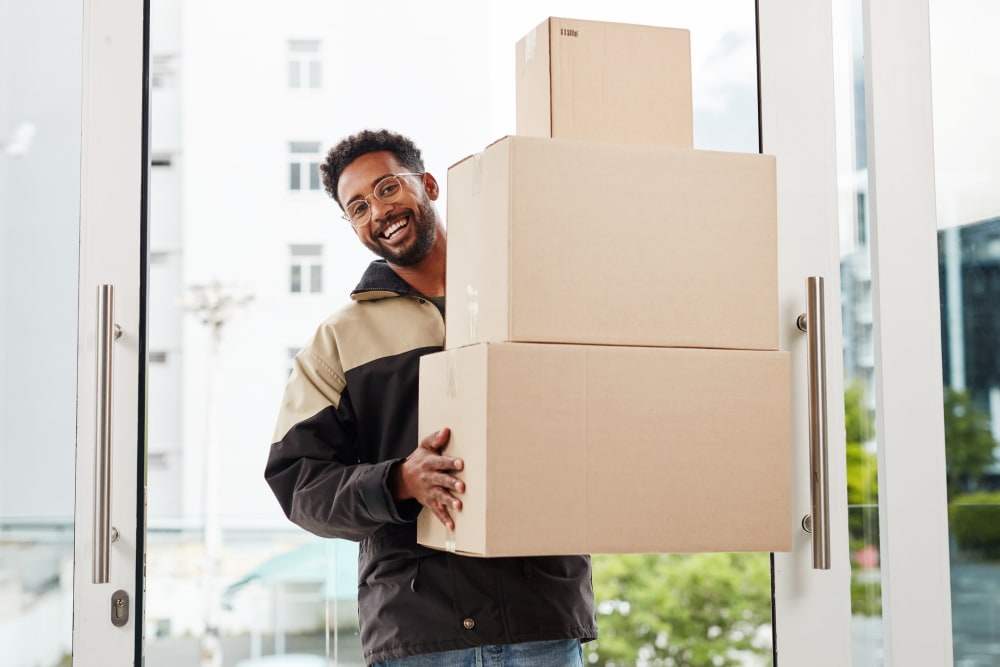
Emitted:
<point x="367" y="141"/>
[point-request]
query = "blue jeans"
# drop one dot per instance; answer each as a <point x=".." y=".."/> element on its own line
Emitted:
<point x="560" y="653"/>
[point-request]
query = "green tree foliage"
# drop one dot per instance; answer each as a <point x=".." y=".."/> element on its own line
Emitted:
<point x="862" y="500"/>
<point x="858" y="420"/>
<point x="862" y="468"/>
<point x="968" y="442"/>
<point x="668" y="610"/>
<point x="974" y="520"/>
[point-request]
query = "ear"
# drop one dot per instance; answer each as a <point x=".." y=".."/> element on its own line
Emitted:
<point x="431" y="186"/>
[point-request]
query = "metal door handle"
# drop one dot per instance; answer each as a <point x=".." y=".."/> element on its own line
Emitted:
<point x="107" y="333"/>
<point x="817" y="523"/>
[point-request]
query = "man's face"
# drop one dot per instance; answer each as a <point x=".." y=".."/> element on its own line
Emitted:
<point x="403" y="232"/>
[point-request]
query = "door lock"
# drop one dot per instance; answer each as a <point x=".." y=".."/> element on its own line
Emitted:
<point x="119" y="608"/>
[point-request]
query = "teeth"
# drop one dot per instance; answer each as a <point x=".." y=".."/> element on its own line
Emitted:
<point x="393" y="228"/>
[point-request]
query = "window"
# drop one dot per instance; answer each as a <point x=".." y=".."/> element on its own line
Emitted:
<point x="162" y="70"/>
<point x="303" y="165"/>
<point x="304" y="64"/>
<point x="306" y="269"/>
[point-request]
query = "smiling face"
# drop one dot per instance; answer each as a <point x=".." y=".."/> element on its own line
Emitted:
<point x="404" y="232"/>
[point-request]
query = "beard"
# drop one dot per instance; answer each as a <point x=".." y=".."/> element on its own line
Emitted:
<point x="425" y="223"/>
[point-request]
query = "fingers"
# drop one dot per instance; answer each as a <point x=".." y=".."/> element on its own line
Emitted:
<point x="436" y="481"/>
<point x="449" y="482"/>
<point x="436" y="440"/>
<point x="441" y="510"/>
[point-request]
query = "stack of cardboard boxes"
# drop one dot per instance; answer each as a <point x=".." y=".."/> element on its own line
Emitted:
<point x="611" y="374"/>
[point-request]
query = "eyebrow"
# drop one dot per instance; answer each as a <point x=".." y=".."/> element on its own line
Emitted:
<point x="374" y="183"/>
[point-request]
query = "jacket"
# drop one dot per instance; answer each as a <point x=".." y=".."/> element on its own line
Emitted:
<point x="348" y="414"/>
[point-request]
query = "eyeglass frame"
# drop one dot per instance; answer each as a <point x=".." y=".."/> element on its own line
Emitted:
<point x="346" y="216"/>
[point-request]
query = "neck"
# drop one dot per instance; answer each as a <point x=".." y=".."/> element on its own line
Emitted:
<point x="427" y="276"/>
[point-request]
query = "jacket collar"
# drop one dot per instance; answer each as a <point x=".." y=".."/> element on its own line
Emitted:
<point x="380" y="281"/>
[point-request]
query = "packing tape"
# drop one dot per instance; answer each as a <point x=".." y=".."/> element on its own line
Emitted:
<point x="472" y="304"/>
<point x="477" y="173"/>
<point x="452" y="387"/>
<point x="529" y="46"/>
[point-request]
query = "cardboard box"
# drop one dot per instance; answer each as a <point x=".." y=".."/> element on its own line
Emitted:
<point x="554" y="240"/>
<point x="605" y="82"/>
<point x="599" y="449"/>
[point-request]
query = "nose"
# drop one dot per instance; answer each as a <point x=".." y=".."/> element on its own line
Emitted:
<point x="378" y="209"/>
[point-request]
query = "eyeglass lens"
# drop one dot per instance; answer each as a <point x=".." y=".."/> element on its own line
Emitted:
<point x="386" y="191"/>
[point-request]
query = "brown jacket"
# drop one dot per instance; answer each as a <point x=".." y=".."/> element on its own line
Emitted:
<point x="349" y="413"/>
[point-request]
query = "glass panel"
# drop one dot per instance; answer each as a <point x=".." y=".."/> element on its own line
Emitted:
<point x="40" y="76"/>
<point x="295" y="178"/>
<point x="966" y="90"/>
<point x="859" y="358"/>
<point x="314" y="74"/>
<point x="310" y="250"/>
<point x="269" y="582"/>
<point x="304" y="146"/>
<point x="314" y="175"/>
<point x="316" y="279"/>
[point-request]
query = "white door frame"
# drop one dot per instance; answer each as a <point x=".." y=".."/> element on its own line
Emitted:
<point x="797" y="62"/>
<point x="913" y="503"/>
<point x="798" y="126"/>
<point x="112" y="218"/>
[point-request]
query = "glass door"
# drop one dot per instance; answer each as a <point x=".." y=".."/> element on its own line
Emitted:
<point x="71" y="138"/>
<point x="924" y="201"/>
<point x="111" y="349"/>
<point x="248" y="254"/>
<point x="967" y="170"/>
<point x="39" y="238"/>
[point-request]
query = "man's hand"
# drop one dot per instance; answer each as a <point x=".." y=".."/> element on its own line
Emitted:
<point x="429" y="477"/>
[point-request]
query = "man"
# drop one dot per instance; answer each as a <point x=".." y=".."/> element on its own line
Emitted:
<point x="345" y="460"/>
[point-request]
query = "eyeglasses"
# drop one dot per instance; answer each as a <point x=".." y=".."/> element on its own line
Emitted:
<point x="387" y="191"/>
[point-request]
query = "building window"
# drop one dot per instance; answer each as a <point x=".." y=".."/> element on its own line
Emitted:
<point x="161" y="160"/>
<point x="158" y="357"/>
<point x="162" y="70"/>
<point x="304" y="64"/>
<point x="303" y="165"/>
<point x="306" y="269"/>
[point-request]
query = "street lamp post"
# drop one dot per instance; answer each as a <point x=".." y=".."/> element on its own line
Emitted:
<point x="213" y="305"/>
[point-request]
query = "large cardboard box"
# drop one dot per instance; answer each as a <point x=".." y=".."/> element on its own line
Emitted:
<point x="601" y="449"/>
<point x="555" y="240"/>
<point x="605" y="82"/>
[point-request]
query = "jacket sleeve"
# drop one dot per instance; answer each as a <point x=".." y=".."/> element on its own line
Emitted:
<point x="313" y="466"/>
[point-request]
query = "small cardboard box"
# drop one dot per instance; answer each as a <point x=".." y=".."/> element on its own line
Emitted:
<point x="563" y="241"/>
<point x="601" y="81"/>
<point x="601" y="449"/>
